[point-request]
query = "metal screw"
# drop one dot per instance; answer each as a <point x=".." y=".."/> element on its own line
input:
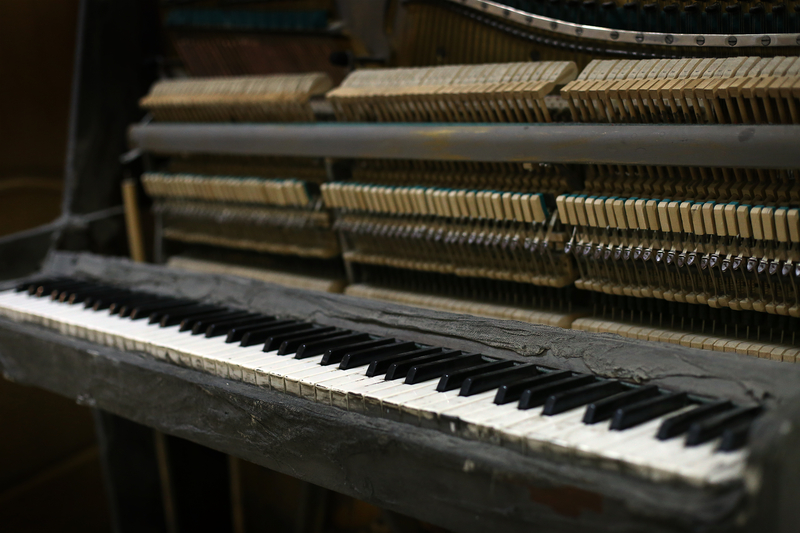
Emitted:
<point x="797" y="40"/>
<point x="668" y="39"/>
<point x="765" y="40"/>
<point x="732" y="40"/>
<point x="485" y="5"/>
<point x="506" y="13"/>
<point x="529" y="20"/>
<point x="700" y="40"/>
<point x="578" y="31"/>
<point x="639" y="37"/>
<point x="614" y="35"/>
<point x="554" y="25"/>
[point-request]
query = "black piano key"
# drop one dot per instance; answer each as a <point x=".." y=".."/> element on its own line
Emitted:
<point x="536" y="396"/>
<point x="251" y="338"/>
<point x="90" y="301"/>
<point x="30" y="285"/>
<point x="188" y="322"/>
<point x="312" y="349"/>
<point x="705" y="430"/>
<point x="217" y="329"/>
<point x="173" y="317"/>
<point x="678" y="424"/>
<point x="235" y="334"/>
<point x="640" y="412"/>
<point x="84" y="296"/>
<point x="381" y="364"/>
<point x="290" y="346"/>
<point x="454" y="380"/>
<point x="365" y="357"/>
<point x="46" y="286"/>
<point x="335" y="355"/>
<point x="55" y="289"/>
<point x="605" y="408"/>
<point x="101" y="304"/>
<point x="492" y="380"/>
<point x="80" y="292"/>
<point x="564" y="401"/>
<point x="199" y="325"/>
<point x="437" y="369"/>
<point x="401" y="369"/>
<point x="125" y="309"/>
<point x="734" y="438"/>
<point x="276" y="340"/>
<point x="511" y="392"/>
<point x="143" y="311"/>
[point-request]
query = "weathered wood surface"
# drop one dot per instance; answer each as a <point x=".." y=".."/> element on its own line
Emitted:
<point x="738" y="377"/>
<point x="459" y="484"/>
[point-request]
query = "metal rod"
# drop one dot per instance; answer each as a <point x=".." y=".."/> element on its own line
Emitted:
<point x="741" y="146"/>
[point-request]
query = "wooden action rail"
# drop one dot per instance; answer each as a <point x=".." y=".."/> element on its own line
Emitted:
<point x="499" y="92"/>
<point x="278" y="192"/>
<point x="733" y="90"/>
<point x="276" y="98"/>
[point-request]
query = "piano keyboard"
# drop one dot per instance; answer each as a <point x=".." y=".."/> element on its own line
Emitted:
<point x="656" y="433"/>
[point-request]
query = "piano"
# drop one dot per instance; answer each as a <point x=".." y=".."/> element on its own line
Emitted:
<point x="546" y="281"/>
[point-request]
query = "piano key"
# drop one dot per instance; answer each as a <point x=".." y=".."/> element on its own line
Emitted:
<point x="218" y="329"/>
<point x="436" y="369"/>
<point x="73" y="297"/>
<point x="365" y="357"/>
<point x="321" y="347"/>
<point x="275" y="341"/>
<point x="173" y="317"/>
<point x="68" y="295"/>
<point x="679" y="424"/>
<point x="187" y="323"/>
<point x="292" y="342"/>
<point x="710" y="428"/>
<point x="200" y="326"/>
<point x="47" y="289"/>
<point x="645" y="410"/>
<point x="143" y="311"/>
<point x="570" y="399"/>
<point x="101" y="304"/>
<point x="512" y="392"/>
<point x="454" y="380"/>
<point x="734" y="438"/>
<point x="260" y="336"/>
<point x="537" y="396"/>
<point x="96" y="302"/>
<point x="30" y="285"/>
<point x="379" y="366"/>
<point x="492" y="380"/>
<point x="605" y="408"/>
<point x="125" y="310"/>
<point x="400" y="369"/>
<point x="335" y="355"/>
<point x="236" y="333"/>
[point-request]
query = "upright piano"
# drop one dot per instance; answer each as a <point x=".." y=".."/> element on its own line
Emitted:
<point x="516" y="264"/>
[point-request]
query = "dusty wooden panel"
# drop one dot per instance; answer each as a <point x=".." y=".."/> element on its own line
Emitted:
<point x="456" y="483"/>
<point x="732" y="376"/>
